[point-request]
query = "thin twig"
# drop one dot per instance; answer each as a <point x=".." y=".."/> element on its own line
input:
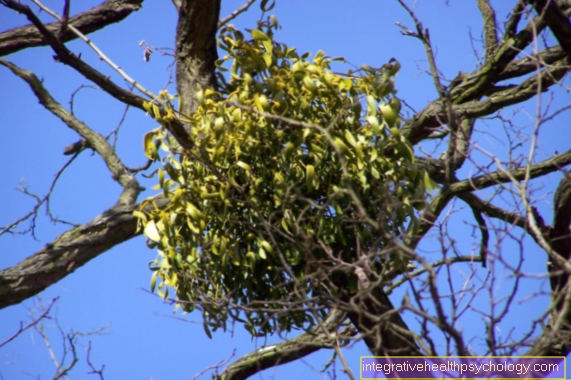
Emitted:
<point x="235" y="14"/>
<point x="35" y="321"/>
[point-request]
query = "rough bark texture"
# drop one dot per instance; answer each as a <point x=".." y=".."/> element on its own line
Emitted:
<point x="195" y="51"/>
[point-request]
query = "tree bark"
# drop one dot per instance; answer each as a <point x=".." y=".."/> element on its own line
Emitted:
<point x="195" y="51"/>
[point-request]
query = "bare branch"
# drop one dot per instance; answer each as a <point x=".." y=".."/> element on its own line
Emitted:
<point x="64" y="21"/>
<point x="288" y="351"/>
<point x="434" y="115"/>
<point x="235" y="14"/>
<point x="560" y="235"/>
<point x="475" y="86"/>
<point x="69" y="251"/>
<point x="494" y="211"/>
<point x="111" y="11"/>
<point x="513" y="21"/>
<point x="98" y="51"/>
<point x="96" y="141"/>
<point x="490" y="27"/>
<point x="66" y="56"/>
<point x="555" y="163"/>
<point x="485" y="235"/>
<point x="33" y="214"/>
<point x="94" y="371"/>
<point x="416" y="273"/>
<point x="34" y="322"/>
<point x="530" y="63"/>
<point x="382" y="327"/>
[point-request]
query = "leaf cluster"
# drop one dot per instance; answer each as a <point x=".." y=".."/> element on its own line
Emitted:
<point x="294" y="170"/>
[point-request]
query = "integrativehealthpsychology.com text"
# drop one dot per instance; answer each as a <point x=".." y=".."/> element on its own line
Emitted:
<point x="455" y="367"/>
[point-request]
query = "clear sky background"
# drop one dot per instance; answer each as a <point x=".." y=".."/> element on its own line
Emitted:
<point x="142" y="341"/>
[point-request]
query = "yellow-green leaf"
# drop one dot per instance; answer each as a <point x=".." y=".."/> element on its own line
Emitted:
<point x="152" y="232"/>
<point x="309" y="83"/>
<point x="429" y="184"/>
<point x="149" y="145"/>
<point x="259" y="35"/>
<point x="309" y="177"/>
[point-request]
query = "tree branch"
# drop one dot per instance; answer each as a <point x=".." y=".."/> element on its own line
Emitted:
<point x="560" y="234"/>
<point x="131" y="188"/>
<point x="551" y="165"/>
<point x="69" y="251"/>
<point x="530" y="63"/>
<point x="66" y="56"/>
<point x="490" y="28"/>
<point x="290" y="350"/>
<point x="35" y="320"/>
<point x="474" y="86"/>
<point x="235" y="14"/>
<point x="557" y="21"/>
<point x="111" y="11"/>
<point x="382" y="327"/>
<point x="494" y="211"/>
<point x="103" y="57"/>
<point x="434" y="115"/>
<point x="465" y="93"/>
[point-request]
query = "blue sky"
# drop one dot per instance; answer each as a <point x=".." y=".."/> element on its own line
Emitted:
<point x="142" y="340"/>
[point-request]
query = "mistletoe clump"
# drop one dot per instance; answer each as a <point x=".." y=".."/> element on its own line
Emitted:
<point x="294" y="169"/>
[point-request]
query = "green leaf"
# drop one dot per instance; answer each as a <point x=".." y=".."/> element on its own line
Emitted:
<point x="263" y="6"/>
<point x="207" y="330"/>
<point x="154" y="280"/>
<point x="259" y="181"/>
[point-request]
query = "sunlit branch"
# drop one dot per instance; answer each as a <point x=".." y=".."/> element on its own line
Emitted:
<point x="434" y="115"/>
